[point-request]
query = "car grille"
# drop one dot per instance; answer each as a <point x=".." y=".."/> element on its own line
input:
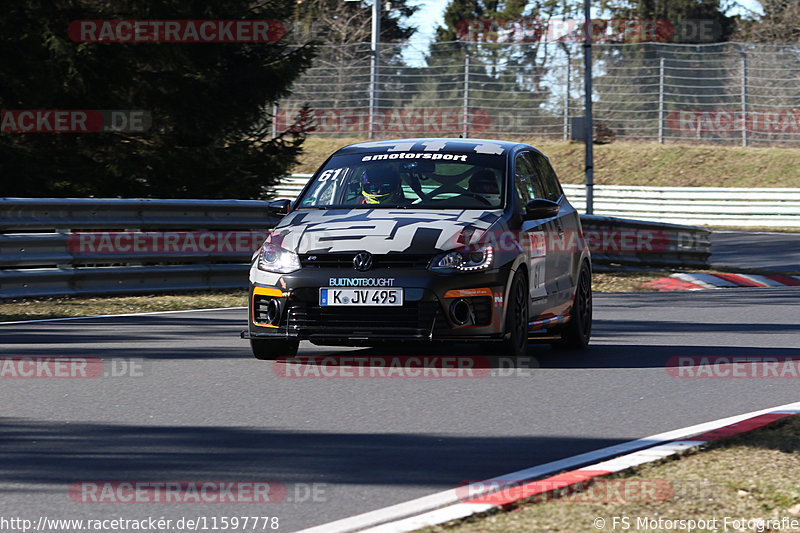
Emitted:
<point x="482" y="307"/>
<point x="412" y="319"/>
<point x="260" y="309"/>
<point x="260" y="313"/>
<point x="378" y="261"/>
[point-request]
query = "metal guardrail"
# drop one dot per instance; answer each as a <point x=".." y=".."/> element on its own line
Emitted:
<point x="711" y="206"/>
<point x="707" y="206"/>
<point x="290" y="186"/>
<point x="68" y="246"/>
<point x="639" y="243"/>
<point x="111" y="213"/>
<point x="108" y="280"/>
<point x="54" y="247"/>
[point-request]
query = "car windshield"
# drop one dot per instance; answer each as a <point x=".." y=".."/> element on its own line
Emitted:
<point x="414" y="179"/>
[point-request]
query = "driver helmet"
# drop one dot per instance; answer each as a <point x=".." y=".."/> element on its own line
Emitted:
<point x="381" y="185"/>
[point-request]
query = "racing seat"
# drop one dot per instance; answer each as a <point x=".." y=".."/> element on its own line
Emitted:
<point x="484" y="182"/>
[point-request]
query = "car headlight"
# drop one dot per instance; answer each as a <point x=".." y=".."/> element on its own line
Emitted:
<point x="463" y="261"/>
<point x="273" y="258"/>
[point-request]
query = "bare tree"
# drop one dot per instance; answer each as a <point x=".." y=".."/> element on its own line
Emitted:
<point x="779" y="24"/>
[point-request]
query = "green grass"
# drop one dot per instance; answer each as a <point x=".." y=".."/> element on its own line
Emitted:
<point x="628" y="163"/>
<point x="39" y="308"/>
<point x="628" y="281"/>
<point x="753" y="475"/>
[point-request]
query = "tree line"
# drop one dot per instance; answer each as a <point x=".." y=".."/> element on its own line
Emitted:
<point x="209" y="129"/>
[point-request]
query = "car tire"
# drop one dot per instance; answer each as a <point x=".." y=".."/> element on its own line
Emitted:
<point x="579" y="329"/>
<point x="271" y="349"/>
<point x="516" y="344"/>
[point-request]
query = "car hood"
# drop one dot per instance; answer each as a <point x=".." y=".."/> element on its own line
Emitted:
<point x="380" y="231"/>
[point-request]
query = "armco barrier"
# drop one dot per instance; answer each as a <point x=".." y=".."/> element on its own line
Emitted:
<point x="204" y="244"/>
<point x="290" y="186"/>
<point x="54" y="247"/>
<point x="120" y="280"/>
<point x="706" y="206"/>
<point x="679" y="246"/>
<point x="50" y="214"/>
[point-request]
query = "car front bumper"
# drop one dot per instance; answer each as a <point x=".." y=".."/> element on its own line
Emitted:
<point x="426" y="312"/>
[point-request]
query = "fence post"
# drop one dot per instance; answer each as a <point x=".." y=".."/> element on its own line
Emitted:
<point x="588" y="125"/>
<point x="466" y="93"/>
<point x="744" y="98"/>
<point x="566" y="94"/>
<point x="374" y="74"/>
<point x="661" y="101"/>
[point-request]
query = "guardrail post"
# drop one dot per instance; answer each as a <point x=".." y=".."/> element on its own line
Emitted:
<point x="744" y="98"/>
<point x="566" y="93"/>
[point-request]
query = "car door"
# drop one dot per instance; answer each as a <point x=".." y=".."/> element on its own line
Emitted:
<point x="568" y="243"/>
<point x="534" y="237"/>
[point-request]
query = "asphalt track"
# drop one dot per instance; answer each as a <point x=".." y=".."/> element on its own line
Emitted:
<point x="761" y="250"/>
<point x="206" y="410"/>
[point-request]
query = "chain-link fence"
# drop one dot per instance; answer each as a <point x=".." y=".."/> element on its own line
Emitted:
<point x="741" y="93"/>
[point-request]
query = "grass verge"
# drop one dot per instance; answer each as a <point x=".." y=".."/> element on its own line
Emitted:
<point x="628" y="281"/>
<point x="629" y="163"/>
<point x="38" y="308"/>
<point x="749" y="478"/>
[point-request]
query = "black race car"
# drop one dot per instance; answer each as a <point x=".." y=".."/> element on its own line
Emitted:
<point x="455" y="240"/>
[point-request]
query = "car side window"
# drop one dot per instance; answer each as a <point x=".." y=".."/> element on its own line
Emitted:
<point x="523" y="180"/>
<point x="528" y="180"/>
<point x="552" y="188"/>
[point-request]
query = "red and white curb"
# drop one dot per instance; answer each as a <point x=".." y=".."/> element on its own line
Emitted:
<point x="697" y="281"/>
<point x="450" y="505"/>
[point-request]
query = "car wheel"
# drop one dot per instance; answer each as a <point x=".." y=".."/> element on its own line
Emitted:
<point x="579" y="328"/>
<point x="517" y="317"/>
<point x="270" y="349"/>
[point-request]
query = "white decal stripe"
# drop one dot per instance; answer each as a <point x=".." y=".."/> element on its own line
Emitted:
<point x="489" y="148"/>
<point x="434" y="146"/>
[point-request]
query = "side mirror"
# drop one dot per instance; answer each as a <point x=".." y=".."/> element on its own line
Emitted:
<point x="540" y="208"/>
<point x="278" y="208"/>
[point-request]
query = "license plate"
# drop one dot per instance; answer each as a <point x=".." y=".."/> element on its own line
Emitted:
<point x="366" y="297"/>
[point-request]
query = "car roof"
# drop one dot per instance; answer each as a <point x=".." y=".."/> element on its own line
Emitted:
<point x="454" y="144"/>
